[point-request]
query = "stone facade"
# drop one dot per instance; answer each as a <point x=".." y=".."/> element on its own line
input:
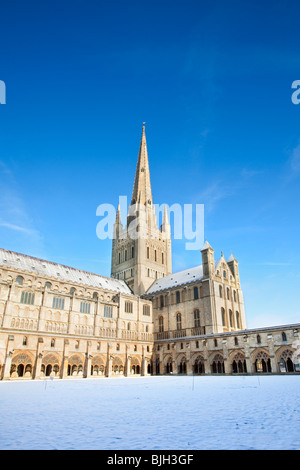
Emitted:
<point x="63" y="322"/>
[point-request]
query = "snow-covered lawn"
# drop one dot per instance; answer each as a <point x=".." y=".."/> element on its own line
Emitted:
<point x="184" y="413"/>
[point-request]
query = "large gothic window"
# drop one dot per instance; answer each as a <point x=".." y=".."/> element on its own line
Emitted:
<point x="178" y="321"/>
<point x="196" y="318"/>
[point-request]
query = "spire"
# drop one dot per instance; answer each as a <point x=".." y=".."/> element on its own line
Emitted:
<point x="206" y="246"/>
<point x="118" y="217"/>
<point x="142" y="193"/>
<point x="166" y="218"/>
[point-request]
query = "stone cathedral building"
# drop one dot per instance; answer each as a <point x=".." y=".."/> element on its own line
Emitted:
<point x="63" y="322"/>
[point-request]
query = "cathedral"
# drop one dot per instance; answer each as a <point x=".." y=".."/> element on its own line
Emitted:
<point x="62" y="322"/>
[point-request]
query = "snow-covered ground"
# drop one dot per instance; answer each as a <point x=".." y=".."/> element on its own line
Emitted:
<point x="179" y="413"/>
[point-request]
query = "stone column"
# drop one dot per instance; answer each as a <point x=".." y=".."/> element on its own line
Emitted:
<point x="144" y="362"/>
<point x="38" y="361"/>
<point x="7" y="365"/>
<point x="205" y="357"/>
<point x="8" y="357"/>
<point x="108" y="360"/>
<point x="174" y="363"/>
<point x="227" y="365"/>
<point x="88" y="361"/>
<point x="274" y="364"/>
<point x="64" y="364"/>
<point x="189" y="368"/>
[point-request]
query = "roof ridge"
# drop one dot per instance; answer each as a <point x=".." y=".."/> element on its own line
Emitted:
<point x="59" y="264"/>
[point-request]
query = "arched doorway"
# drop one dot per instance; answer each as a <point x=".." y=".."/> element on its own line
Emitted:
<point x="75" y="365"/>
<point x="286" y="361"/>
<point x="98" y="366"/>
<point x="21" y="365"/>
<point x="135" y="366"/>
<point x="182" y="366"/>
<point x="217" y="365"/>
<point x="239" y="364"/>
<point x="50" y="365"/>
<point x="198" y="366"/>
<point x="169" y="366"/>
<point x="262" y="363"/>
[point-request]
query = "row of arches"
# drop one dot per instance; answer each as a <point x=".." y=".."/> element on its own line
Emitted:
<point x="261" y="363"/>
<point x="22" y="366"/>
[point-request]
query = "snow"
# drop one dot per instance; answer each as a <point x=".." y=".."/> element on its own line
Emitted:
<point x="179" y="413"/>
<point x="60" y="272"/>
<point x="176" y="279"/>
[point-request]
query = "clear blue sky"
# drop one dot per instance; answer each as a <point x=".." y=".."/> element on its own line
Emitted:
<point x="212" y="80"/>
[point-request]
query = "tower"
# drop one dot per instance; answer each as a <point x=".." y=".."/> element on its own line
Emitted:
<point x="141" y="251"/>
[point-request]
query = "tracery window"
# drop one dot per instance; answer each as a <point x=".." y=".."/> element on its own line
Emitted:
<point x="27" y="298"/>
<point x="178" y="321"/>
<point x="85" y="307"/>
<point x="196" y="318"/>
<point x="58" y="302"/>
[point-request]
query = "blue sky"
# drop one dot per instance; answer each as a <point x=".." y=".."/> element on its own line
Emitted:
<point x="212" y="81"/>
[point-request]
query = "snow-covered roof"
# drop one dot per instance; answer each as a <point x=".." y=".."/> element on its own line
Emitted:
<point x="205" y="246"/>
<point x="176" y="279"/>
<point x="60" y="272"/>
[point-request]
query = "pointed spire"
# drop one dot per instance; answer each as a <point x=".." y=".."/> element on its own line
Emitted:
<point x="142" y="193"/>
<point x="206" y="246"/>
<point x="165" y="218"/>
<point x="165" y="227"/>
<point x="118" y="218"/>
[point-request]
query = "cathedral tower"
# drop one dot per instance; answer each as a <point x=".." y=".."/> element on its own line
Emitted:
<point x="141" y="251"/>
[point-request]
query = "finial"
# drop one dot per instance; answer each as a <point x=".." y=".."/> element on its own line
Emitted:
<point x="144" y="126"/>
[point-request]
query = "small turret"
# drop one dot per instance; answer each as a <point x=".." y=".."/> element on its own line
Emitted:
<point x="208" y="262"/>
<point x="234" y="267"/>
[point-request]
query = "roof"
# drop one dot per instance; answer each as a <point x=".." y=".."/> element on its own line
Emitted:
<point x="176" y="279"/>
<point x="61" y="272"/>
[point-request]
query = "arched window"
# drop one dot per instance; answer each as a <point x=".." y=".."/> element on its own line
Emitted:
<point x="228" y="293"/>
<point x="95" y="296"/>
<point x="72" y="290"/>
<point x="231" y="318"/>
<point x="19" y="280"/>
<point x="148" y="252"/>
<point x="161" y="299"/>
<point x="196" y="293"/>
<point x="236" y="341"/>
<point x="48" y="285"/>
<point x="177" y="297"/>
<point x="223" y="316"/>
<point x="25" y="341"/>
<point x="196" y="318"/>
<point x="237" y="316"/>
<point x="283" y="336"/>
<point x="27" y="298"/>
<point x="128" y="326"/>
<point x="178" y="321"/>
<point x="52" y="343"/>
<point x="220" y="291"/>
<point x="258" y="339"/>
<point x="161" y="324"/>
